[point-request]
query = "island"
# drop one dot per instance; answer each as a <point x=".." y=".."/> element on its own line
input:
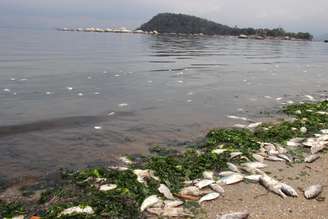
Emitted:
<point x="170" y="23"/>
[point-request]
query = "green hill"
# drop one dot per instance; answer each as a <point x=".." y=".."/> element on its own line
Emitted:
<point x="187" y="24"/>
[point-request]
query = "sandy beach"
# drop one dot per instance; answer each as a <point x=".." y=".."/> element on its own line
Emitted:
<point x="265" y="205"/>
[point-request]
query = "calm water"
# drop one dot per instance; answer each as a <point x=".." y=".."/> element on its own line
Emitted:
<point x="56" y="87"/>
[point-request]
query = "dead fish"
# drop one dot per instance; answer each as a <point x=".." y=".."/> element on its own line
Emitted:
<point x="142" y="175"/>
<point x="235" y="154"/>
<point x="208" y="174"/>
<point x="77" y="210"/>
<point x="324" y="131"/>
<point x="176" y="212"/>
<point x="163" y="189"/>
<point x="288" y="190"/>
<point x="191" y="190"/>
<point x="148" y="202"/>
<point x="107" y="187"/>
<point x="233" y="167"/>
<point x="203" y="183"/>
<point x="254" y="165"/>
<point x="274" y="158"/>
<point x="225" y="173"/>
<point x="312" y="191"/>
<point x="295" y="142"/>
<point x="240" y="126"/>
<point x="126" y="160"/>
<point x="253" y="178"/>
<point x="285" y="157"/>
<point x="303" y="130"/>
<point x="277" y="187"/>
<point x="253" y="171"/>
<point x="120" y="168"/>
<point x="217" y="188"/>
<point x="258" y="158"/>
<point x="209" y="197"/>
<point x="254" y="125"/>
<point x="309" y="97"/>
<point x="269" y="146"/>
<point x="169" y="212"/>
<point x="237" y="117"/>
<point x="172" y="203"/>
<point x="310" y="142"/>
<point x="237" y="215"/>
<point x="232" y="179"/>
<point x="311" y="158"/>
<point x="17" y="217"/>
<point x="281" y="149"/>
<point x="219" y="151"/>
<point x="273" y="152"/>
<point x="322" y="113"/>
<point x="272" y="185"/>
<point x="317" y="148"/>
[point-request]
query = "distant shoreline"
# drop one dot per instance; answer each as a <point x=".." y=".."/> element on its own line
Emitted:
<point x="155" y="32"/>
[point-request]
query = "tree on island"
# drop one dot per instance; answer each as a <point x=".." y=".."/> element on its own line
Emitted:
<point x="187" y="24"/>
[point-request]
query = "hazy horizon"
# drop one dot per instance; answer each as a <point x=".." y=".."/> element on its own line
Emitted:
<point x="292" y="15"/>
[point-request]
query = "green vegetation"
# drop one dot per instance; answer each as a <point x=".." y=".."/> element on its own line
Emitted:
<point x="186" y="24"/>
<point x="81" y="188"/>
<point x="11" y="209"/>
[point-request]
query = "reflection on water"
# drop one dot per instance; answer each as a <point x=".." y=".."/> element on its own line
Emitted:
<point x="56" y="87"/>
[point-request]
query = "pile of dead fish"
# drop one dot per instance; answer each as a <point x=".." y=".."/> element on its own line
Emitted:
<point x="210" y="186"/>
<point x="316" y="144"/>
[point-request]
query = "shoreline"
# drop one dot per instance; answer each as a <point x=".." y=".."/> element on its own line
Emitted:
<point x="236" y="140"/>
<point x="156" y="33"/>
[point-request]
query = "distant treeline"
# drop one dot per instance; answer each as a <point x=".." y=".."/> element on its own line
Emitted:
<point x="187" y="24"/>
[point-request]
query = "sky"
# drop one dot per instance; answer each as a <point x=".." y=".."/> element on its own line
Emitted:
<point x="293" y="15"/>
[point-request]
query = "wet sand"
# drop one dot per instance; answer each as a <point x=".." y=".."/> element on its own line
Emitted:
<point x="265" y="205"/>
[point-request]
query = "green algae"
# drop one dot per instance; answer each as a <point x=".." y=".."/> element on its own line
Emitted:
<point x="9" y="210"/>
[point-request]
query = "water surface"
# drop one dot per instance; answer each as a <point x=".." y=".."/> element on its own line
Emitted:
<point x="56" y="87"/>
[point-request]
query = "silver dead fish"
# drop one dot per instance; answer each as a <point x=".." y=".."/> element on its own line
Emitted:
<point x="312" y="191"/>
<point x="191" y="190"/>
<point x="277" y="187"/>
<point x="237" y="215"/>
<point x="217" y="188"/>
<point x="208" y="174"/>
<point x="170" y="212"/>
<point x="148" y="202"/>
<point x="203" y="183"/>
<point x="172" y="203"/>
<point x="163" y="189"/>
<point x="253" y="178"/>
<point x="233" y="167"/>
<point x="232" y="179"/>
<point x="209" y="197"/>
<point x="311" y="158"/>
